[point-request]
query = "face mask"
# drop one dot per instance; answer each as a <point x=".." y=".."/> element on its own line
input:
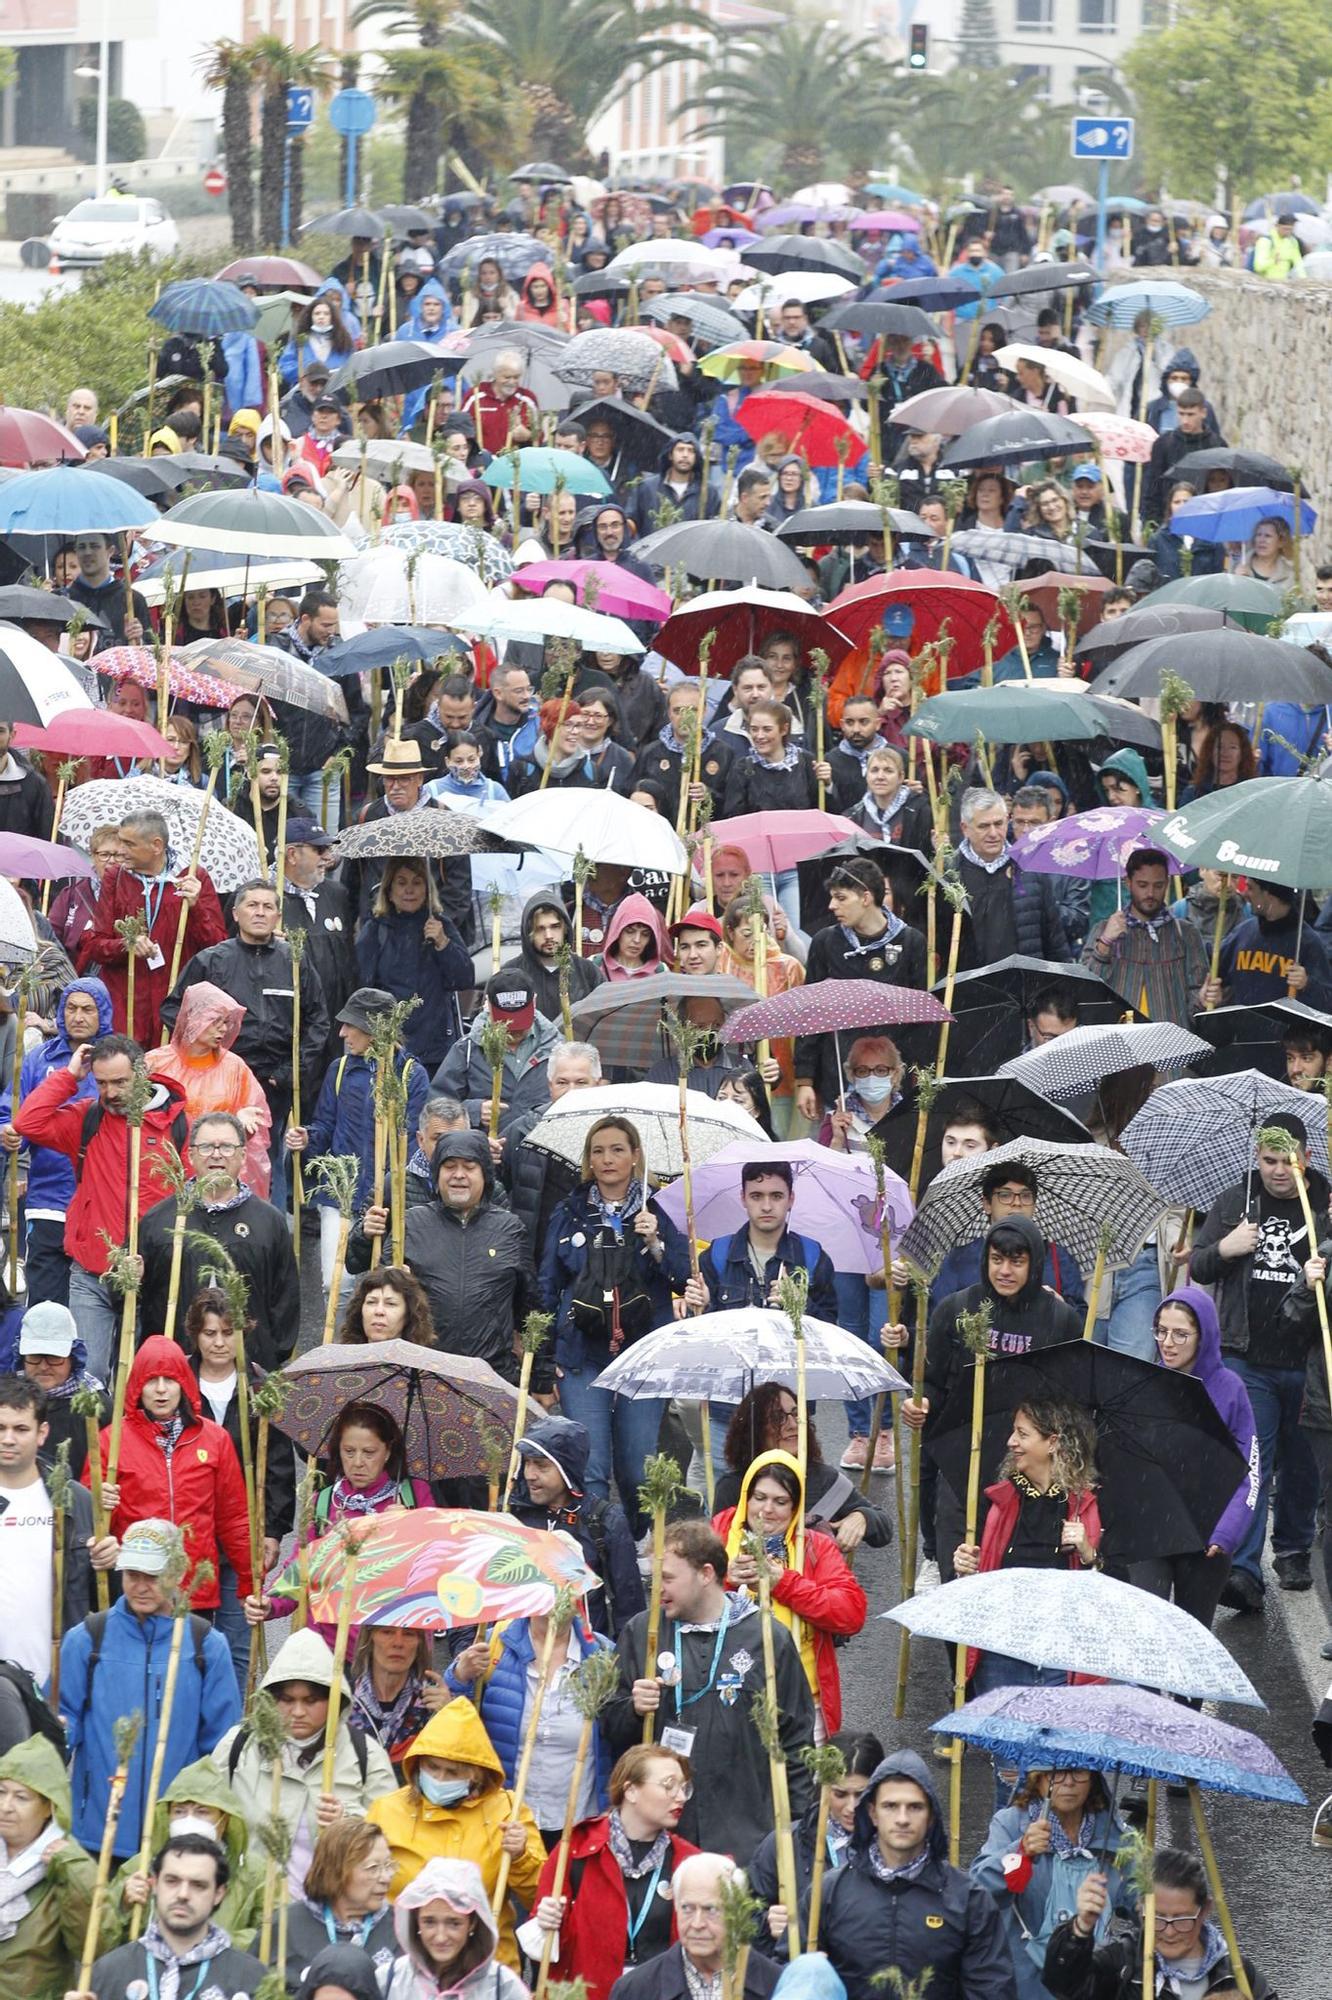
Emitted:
<point x="188" y="1823"/>
<point x="321" y="322"/>
<point x="873" y="1089"/>
<point x="443" y="1791"/>
<point x="1176" y="388"/>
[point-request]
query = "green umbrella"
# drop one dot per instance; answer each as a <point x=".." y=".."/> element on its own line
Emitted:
<point x="1276" y="828"/>
<point x="1045" y="711"/>
<point x="1243" y="598"/>
<point x="276" y="312"/>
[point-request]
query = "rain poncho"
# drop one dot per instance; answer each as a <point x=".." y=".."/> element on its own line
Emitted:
<point x="216" y="1080"/>
<point x="202" y="1784"/>
<point x="45" y="1904"/>
<point x="414" y="1976"/>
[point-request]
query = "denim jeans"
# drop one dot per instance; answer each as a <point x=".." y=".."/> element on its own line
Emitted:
<point x="1277" y="1395"/>
<point x="97" y="1316"/>
<point x="863" y="1312"/>
<point x="1135" y="1294"/>
<point x="622" y="1432"/>
<point x="305" y="791"/>
<point x="229" y="1620"/>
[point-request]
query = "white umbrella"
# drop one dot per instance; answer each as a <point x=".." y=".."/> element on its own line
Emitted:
<point x="655" y="1111"/>
<point x="18" y="941"/>
<point x="250" y="523"/>
<point x="387" y="586"/>
<point x="824" y="194"/>
<point x="1078" y="377"/>
<point x="599" y="824"/>
<point x="389" y="458"/>
<point x="720" y="1356"/>
<point x="552" y="618"/>
<point x="1080" y="1623"/>
<point x="809" y="288"/>
<point x="669" y="253"/>
<point x="229" y="575"/>
<point x="37" y="685"/>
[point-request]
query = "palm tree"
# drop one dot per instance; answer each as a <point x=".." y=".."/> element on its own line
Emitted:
<point x="817" y="91"/>
<point x="450" y="100"/>
<point x="229" y="67"/>
<point x="277" y="67"/>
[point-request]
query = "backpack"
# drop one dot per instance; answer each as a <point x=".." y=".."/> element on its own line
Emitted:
<point x="242" y="1737"/>
<point x="95" y="1625"/>
<point x="609" y="1300"/>
<point x="41" y="1720"/>
<point x="92" y="1119"/>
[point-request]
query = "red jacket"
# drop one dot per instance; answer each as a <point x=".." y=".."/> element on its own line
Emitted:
<point x="200" y="1487"/>
<point x="594" y="1936"/>
<point x="997" y="1533"/>
<point x="101" y="947"/>
<point x="52" y="1116"/>
<point x="494" y="415"/>
<point x="827" y="1598"/>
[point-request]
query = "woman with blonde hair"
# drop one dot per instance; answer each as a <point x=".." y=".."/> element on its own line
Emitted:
<point x="1271" y="556"/>
<point x="408" y="947"/>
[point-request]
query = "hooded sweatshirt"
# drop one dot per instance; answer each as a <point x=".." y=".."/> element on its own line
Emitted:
<point x="1033" y="1319"/>
<point x="634" y="909"/>
<point x="39" y="1956"/>
<point x="414" y="1977"/>
<point x="414" y="328"/>
<point x="555" y="312"/>
<point x="584" y="973"/>
<point x="51" y="1173"/>
<point x="201" y="1783"/>
<point x="1231" y="1399"/>
<point x="218" y="1080"/>
<point x="1104" y="897"/>
<point x="420" y="1833"/>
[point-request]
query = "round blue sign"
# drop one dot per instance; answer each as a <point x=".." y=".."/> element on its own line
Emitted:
<point x="352" y="113"/>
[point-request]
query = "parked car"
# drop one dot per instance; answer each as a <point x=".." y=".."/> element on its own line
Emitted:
<point x="112" y="225"/>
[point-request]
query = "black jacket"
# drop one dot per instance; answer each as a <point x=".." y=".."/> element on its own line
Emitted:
<point x="312" y="739"/>
<point x="260" y="977"/>
<point x="256" y="1238"/>
<point x="662" y="764"/>
<point x="583" y="973"/>
<point x="1034" y="1319"/>
<point x="897" y="959"/>
<point x="63" y="1427"/>
<point x="1170" y="449"/>
<point x="939" y="1921"/>
<point x="26" y="805"/>
<point x="453" y="880"/>
<point x="642" y="703"/>
<point x="598" y="1526"/>
<point x="124" y="1971"/>
<point x="1077" y="1968"/>
<point x="663" y="1978"/>
<point x="535" y="1181"/>
<point x="1011" y="911"/>
<point x="752" y="786"/>
<point x="1228" y="1277"/>
<point x="78" y="1593"/>
<point x="325" y="915"/>
<point x="280" y="1470"/>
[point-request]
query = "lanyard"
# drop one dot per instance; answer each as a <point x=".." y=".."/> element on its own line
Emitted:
<point x="636" y="1923"/>
<point x="331" y="1926"/>
<point x="153" y="1983"/>
<point x="153" y="892"/>
<point x="687" y="1701"/>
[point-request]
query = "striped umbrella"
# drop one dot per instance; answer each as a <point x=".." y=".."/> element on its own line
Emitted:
<point x="1171" y="303"/>
<point x="204" y="307"/>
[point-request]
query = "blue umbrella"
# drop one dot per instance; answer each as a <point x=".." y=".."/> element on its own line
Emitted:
<point x="539" y="466"/>
<point x="892" y="191"/>
<point x="65" y="500"/>
<point x="1119" y="1728"/>
<point x="1172" y="304"/>
<point x="1233" y="515"/>
<point x="1289" y="203"/>
<point x="205" y="307"/>
<point x="382" y="645"/>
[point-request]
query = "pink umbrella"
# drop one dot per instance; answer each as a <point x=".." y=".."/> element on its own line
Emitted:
<point x="23" y="856"/>
<point x="776" y="841"/>
<point x="831" y="1005"/>
<point x="879" y="221"/>
<point x="93" y="732"/>
<point x="618" y="593"/>
<point x="29" y="438"/>
<point x="836" y="1199"/>
<point x="1119" y="437"/>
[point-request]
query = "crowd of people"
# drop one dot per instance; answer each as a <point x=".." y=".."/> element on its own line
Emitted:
<point x="178" y="1065"/>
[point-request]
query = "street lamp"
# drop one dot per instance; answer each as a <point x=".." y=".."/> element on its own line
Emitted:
<point x="102" y="73"/>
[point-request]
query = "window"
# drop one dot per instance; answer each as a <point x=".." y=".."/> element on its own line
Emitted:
<point x="1097" y="17"/>
<point x="1037" y="73"/>
<point x="1033" y="17"/>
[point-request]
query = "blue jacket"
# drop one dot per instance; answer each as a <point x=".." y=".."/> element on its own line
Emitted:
<point x="344" y="1120"/>
<point x="1304" y="727"/>
<point x="393" y="952"/>
<point x="564" y="1261"/>
<point x="729" y="1276"/>
<point x="504" y="1697"/>
<point x="243" y="388"/>
<point x="1030" y="1917"/>
<point x="130" y="1674"/>
<point x="412" y="328"/>
<point x="729" y="430"/>
<point x="51" y="1174"/>
<point x="907" y="261"/>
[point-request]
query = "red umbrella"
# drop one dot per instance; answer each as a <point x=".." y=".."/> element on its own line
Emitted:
<point x="831" y="1005"/>
<point x="935" y="598"/>
<point x="742" y="620"/>
<point x="678" y="350"/>
<point x="1044" y="590"/>
<point x="27" y="438"/>
<point x="93" y="732"/>
<point x="283" y="273"/>
<point x="811" y="427"/>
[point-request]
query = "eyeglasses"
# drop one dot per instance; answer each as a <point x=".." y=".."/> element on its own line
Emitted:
<point x="874" y="1069"/>
<point x="788" y="1417"/>
<point x="1008" y="1197"/>
<point x="216" y="1146"/>
<point x="675" y="1788"/>
<point x="1177" y="1923"/>
<point x="1166" y="1336"/>
<point x="686" y="1911"/>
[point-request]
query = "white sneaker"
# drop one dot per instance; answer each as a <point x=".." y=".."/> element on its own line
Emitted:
<point x="857" y="1451"/>
<point x="927" y="1576"/>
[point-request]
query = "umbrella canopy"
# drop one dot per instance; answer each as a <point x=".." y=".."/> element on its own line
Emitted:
<point x="802" y="253"/>
<point x="724" y="552"/>
<point x="740" y="621"/>
<point x="951" y="410"/>
<point x="1278" y="828"/>
<point x="24" y="857"/>
<point x="268" y="272"/>
<point x="720" y="1356"/>
<point x="199" y="468"/>
<point x="1235" y="515"/>
<point x="250" y="524"/>
<point x="1016" y="985"/>
<point x="1012" y="548"/>
<point x="776" y="841"/>
<point x="1042" y="278"/>
<point x="654" y="1109"/>
<point x="632" y="357"/>
<point x="268" y="671"/>
<point x="617" y="593"/>
<point x="934" y="600"/>
<point x="394" y="368"/>
<point x="1246" y="600"/>
<point x="1074" y="1063"/>
<point x="1014" y="438"/>
<point x="929" y="295"/>
<point x="1092" y="845"/>
<point x="1128" y="1729"/>
<point x="397" y="586"/>
<point x="230" y="852"/>
<point x="1167" y="1466"/>
<point x="1045" y="711"/>
<point x="1009" y="1108"/>
<point x="19" y="944"/>
<point x="1078" y="377"/>
<point x="471" y="546"/>
<point x="441" y="1403"/>
<point x="424" y="831"/>
<point x="1126" y="439"/>
<point x="552" y="618"/>
<point x="385" y="458"/>
<point x="836" y="1200"/>
<point x="184" y="682"/>
<point x="878" y="319"/>
<point x="142" y="474"/>
<point x="627" y="1021"/>
<point x="640" y="440"/>
<point x="29" y="604"/>
<point x="1114" y="636"/>
<point x="1080" y="1623"/>
<point x="709" y="321"/>
<point x="1168" y="302"/>
<point x="92" y="732"/>
<point x="27" y="435"/>
<point x="1083" y="1190"/>
<point x="1246" y="468"/>
<point x="538" y="468"/>
<point x="598" y="824"/>
<point x="67" y="500"/>
<point x="805" y="424"/>
<point x="841" y="523"/>
<point x="513" y="252"/>
<point x="1195" y="1138"/>
<point x="380" y="646"/>
<point x="347" y="222"/>
<point x="36" y="685"/>
<point x="1292" y="201"/>
<point x="204" y="307"/>
<point x="773" y="356"/>
<point x="828" y="388"/>
<point x="666" y="253"/>
<point x="807" y="288"/>
<point x="834" y="1006"/>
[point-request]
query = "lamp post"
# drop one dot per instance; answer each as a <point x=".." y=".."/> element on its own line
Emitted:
<point x="103" y="76"/>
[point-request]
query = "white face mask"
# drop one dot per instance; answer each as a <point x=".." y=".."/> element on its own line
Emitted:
<point x="1176" y="388"/>
<point x="321" y="321"/>
<point x="873" y="1089"/>
<point x="189" y="1823"/>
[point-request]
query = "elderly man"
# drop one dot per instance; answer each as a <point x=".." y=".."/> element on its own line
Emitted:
<point x="536" y="1181"/>
<point x="1009" y="910"/>
<point x="504" y="412"/>
<point x="692" y="1968"/>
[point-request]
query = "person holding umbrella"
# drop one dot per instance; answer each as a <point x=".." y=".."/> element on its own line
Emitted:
<point x="1189" y="1947"/>
<point x="1271" y="954"/>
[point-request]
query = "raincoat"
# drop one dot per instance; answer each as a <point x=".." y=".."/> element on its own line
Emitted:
<point x="413" y="327"/>
<point x="1231" y="1399"/>
<point x="1049" y="1884"/>
<point x="40" y="1956"/>
<point x="420" y="1833"/>
<point x="414" y="1977"/>
<point x="51" y="1173"/>
<point x="202" y="1784"/>
<point x="555" y="313"/>
<point x="593" y="1941"/>
<point x="217" y="1079"/>
<point x="823" y="1594"/>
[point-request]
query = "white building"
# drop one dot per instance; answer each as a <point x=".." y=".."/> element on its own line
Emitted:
<point x="1063" y="43"/>
<point x="643" y="131"/>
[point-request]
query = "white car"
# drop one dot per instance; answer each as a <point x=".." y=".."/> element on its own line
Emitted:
<point x="112" y="226"/>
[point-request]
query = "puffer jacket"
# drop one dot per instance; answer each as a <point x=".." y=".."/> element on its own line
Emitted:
<point x="39" y="1959"/>
<point x="501" y="1696"/>
<point x="51" y="1172"/>
<point x="565" y="1258"/>
<point x="197" y="1484"/>
<point x="420" y="1833"/>
<point x="202" y="1784"/>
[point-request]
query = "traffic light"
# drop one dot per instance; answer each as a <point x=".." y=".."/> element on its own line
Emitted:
<point x="919" y="53"/>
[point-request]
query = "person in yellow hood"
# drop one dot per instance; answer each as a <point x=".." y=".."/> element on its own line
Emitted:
<point x="46" y="1879"/>
<point x="455" y="1805"/>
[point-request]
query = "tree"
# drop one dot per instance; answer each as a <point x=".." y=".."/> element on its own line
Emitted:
<point x="978" y="36"/>
<point x="1237" y="87"/>
<point x="961" y="117"/>
<point x="229" y="67"/>
<point x="450" y="98"/>
<point x="823" y="95"/>
<point x="277" y="68"/>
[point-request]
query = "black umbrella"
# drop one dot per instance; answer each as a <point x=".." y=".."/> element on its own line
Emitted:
<point x="1041" y="278"/>
<point x="405" y="219"/>
<point x="639" y="439"/>
<point x="143" y="474"/>
<point x="347" y="222"/>
<point x="827" y="388"/>
<point x="806" y="253"/>
<point x="932" y="295"/>
<point x="907" y="870"/>
<point x="992" y="1003"/>
<point x="22" y="604"/>
<point x="1246" y="468"/>
<point x="1250" y="1037"/>
<point x="709" y="320"/>
<point x="199" y="468"/>
<point x="1166" y="1463"/>
<point x="880" y="321"/>
<point x="603" y="285"/>
<point x="1226" y="665"/>
<point x="542" y="170"/>
<point x="1011" y="1109"/>
<point x="724" y="552"/>
<point x="1012" y="439"/>
<point x="394" y="368"/>
<point x="840" y="522"/>
<point x="1113" y="636"/>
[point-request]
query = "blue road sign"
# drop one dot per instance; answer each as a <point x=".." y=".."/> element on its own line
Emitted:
<point x="1103" y="138"/>
<point x="352" y="113"/>
<point x="300" y="108"/>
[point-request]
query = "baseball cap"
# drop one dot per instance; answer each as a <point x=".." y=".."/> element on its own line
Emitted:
<point x="307" y="833"/>
<point x="148" y="1546"/>
<point x="511" y="997"/>
<point x="316" y="371"/>
<point x="325" y="402"/>
<point x="1288" y="217"/>
<point x="1087" y="471"/>
<point x="699" y="918"/>
<point x="361" y="1006"/>
<point x="47" y="1328"/>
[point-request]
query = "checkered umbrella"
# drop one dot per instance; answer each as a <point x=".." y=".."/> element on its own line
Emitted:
<point x="626" y="1021"/>
<point x="721" y="1355"/>
<point x="996" y="545"/>
<point x="1076" y="1062"/>
<point x="831" y="1005"/>
<point x="1083" y="1190"/>
<point x="205" y="307"/>
<point x="1194" y="1139"/>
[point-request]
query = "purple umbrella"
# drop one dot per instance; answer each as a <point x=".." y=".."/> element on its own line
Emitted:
<point x="791" y="215"/>
<point x="836" y="1199"/>
<point x="1093" y="844"/>
<point x="730" y="239"/>
<point x="27" y="859"/>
